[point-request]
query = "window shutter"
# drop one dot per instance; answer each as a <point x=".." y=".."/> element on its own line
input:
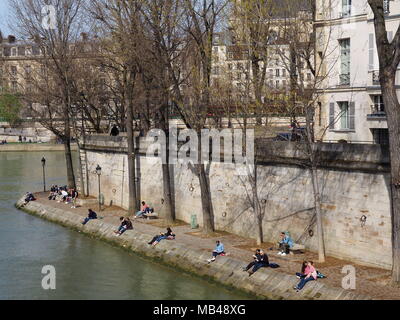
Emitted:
<point x="332" y="116"/>
<point x="352" y="116"/>
<point x="371" y="51"/>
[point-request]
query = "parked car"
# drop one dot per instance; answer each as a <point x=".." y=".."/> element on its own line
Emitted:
<point x="299" y="135"/>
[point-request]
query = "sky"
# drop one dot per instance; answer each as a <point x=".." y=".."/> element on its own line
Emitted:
<point x="3" y="17"/>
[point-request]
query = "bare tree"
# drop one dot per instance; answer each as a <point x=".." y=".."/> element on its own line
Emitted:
<point x="389" y="59"/>
<point x="122" y="29"/>
<point x="201" y="20"/>
<point x="54" y="44"/>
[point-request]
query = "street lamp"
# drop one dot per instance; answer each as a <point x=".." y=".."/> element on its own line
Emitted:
<point x="98" y="172"/>
<point x="44" y="173"/>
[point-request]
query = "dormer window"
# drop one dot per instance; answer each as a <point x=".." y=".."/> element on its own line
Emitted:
<point x="14" y="52"/>
<point x="28" y="51"/>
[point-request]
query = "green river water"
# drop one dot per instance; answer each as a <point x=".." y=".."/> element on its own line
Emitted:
<point x="85" y="268"/>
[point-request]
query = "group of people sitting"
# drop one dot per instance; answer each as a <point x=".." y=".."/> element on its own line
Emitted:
<point x="3" y="142"/>
<point x="63" y="194"/>
<point x="260" y="260"/>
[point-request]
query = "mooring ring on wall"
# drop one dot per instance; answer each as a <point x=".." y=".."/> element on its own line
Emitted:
<point x="363" y="220"/>
<point x="310" y="233"/>
<point x="114" y="190"/>
<point x="191" y="189"/>
<point x="224" y="214"/>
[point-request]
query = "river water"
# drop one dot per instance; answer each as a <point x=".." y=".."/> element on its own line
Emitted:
<point x="85" y="268"/>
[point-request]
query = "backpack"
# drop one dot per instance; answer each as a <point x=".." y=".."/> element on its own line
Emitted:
<point x="273" y="265"/>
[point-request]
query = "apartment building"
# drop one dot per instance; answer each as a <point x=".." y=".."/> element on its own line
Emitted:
<point x="350" y="103"/>
<point x="232" y="65"/>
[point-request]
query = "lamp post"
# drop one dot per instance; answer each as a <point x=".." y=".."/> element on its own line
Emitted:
<point x="98" y="172"/>
<point x="44" y="173"/>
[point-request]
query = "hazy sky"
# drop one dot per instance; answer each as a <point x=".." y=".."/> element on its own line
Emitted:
<point x="3" y="17"/>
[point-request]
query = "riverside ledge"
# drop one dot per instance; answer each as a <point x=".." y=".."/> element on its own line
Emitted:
<point x="265" y="284"/>
<point x="34" y="147"/>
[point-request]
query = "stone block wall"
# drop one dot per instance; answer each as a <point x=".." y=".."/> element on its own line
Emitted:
<point x="353" y="181"/>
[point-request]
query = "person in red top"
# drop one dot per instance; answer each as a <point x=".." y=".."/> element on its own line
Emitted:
<point x="310" y="274"/>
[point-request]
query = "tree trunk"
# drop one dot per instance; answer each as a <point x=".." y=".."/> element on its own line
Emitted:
<point x="317" y="204"/>
<point x="208" y="223"/>
<point x="392" y="107"/>
<point x="168" y="210"/>
<point x="132" y="207"/>
<point x="312" y="154"/>
<point x="68" y="155"/>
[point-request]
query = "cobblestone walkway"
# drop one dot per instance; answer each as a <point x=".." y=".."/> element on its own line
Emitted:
<point x="370" y="281"/>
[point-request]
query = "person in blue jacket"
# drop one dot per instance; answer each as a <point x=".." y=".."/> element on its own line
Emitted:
<point x="219" y="250"/>
<point x="285" y="244"/>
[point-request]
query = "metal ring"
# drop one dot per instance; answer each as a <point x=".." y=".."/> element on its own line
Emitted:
<point x="224" y="214"/>
<point x="310" y="233"/>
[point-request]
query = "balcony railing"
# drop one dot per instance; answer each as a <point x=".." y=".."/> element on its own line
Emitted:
<point x="375" y="78"/>
<point x="377" y="112"/>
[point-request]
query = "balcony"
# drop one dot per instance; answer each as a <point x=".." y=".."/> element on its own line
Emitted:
<point x="375" y="78"/>
<point x="377" y="113"/>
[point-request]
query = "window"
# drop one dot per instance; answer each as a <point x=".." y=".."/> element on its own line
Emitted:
<point x="13" y="52"/>
<point x="28" y="70"/>
<point x="346" y="8"/>
<point x="344" y="61"/>
<point x="239" y="66"/>
<point x="378" y="106"/>
<point x="308" y="76"/>
<point x="283" y="72"/>
<point x="229" y="66"/>
<point x="13" y="71"/>
<point x="277" y="72"/>
<point x="386" y="6"/>
<point x="215" y="50"/>
<point x="216" y="70"/>
<point x="230" y="55"/>
<point x="344" y="115"/>
<point x="14" y="86"/>
<point x="28" y="51"/>
<point x="380" y="136"/>
<point x="277" y="84"/>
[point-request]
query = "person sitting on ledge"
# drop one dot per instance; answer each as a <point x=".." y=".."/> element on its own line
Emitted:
<point x="29" y="197"/>
<point x="285" y="244"/>
<point x="126" y="224"/>
<point x="256" y="256"/>
<point x="168" y="235"/>
<point x="310" y="275"/>
<point x="260" y="262"/>
<point x="91" y="216"/>
<point x="219" y="250"/>
<point x="143" y="211"/>
<point x="302" y="274"/>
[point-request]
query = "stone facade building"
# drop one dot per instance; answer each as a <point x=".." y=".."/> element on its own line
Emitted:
<point x="351" y="105"/>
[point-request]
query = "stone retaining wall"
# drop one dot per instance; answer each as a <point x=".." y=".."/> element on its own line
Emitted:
<point x="354" y="183"/>
<point x="266" y="283"/>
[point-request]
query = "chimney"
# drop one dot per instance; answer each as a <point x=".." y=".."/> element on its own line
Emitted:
<point x="11" y="39"/>
<point x="84" y="36"/>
